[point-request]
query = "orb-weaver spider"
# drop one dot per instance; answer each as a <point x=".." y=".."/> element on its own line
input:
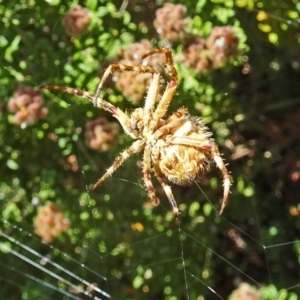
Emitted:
<point x="177" y="148"/>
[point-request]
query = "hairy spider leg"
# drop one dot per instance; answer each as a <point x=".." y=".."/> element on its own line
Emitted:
<point x="136" y="147"/>
<point x="100" y="103"/>
<point x="163" y="104"/>
<point x="115" y="111"/>
<point x="147" y="175"/>
<point x="119" y="67"/>
<point x="226" y="176"/>
<point x="170" y="89"/>
<point x="169" y="59"/>
<point x="150" y="101"/>
<point x="188" y="141"/>
<point x="167" y="189"/>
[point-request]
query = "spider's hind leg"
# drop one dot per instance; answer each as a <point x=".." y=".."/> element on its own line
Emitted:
<point x="226" y="176"/>
<point x="167" y="189"/>
<point x="147" y="176"/>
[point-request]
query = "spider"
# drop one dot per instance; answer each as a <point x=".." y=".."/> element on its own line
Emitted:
<point x="177" y="149"/>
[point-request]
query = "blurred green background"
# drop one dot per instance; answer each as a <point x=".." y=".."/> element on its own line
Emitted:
<point x="114" y="238"/>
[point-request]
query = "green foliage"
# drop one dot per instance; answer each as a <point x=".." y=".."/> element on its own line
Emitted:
<point x="250" y="106"/>
<point x="270" y="292"/>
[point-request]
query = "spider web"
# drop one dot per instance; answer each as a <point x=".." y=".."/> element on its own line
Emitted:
<point x="184" y="251"/>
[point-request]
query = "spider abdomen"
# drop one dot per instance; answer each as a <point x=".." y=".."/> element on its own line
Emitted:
<point x="186" y="152"/>
<point x="183" y="164"/>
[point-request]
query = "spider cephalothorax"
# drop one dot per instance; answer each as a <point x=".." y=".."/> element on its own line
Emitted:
<point x="178" y="148"/>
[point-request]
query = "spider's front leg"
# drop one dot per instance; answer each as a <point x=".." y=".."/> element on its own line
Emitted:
<point x="170" y="89"/>
<point x="169" y="61"/>
<point x="99" y="102"/>
<point x="115" y="111"/>
<point x="120" y="68"/>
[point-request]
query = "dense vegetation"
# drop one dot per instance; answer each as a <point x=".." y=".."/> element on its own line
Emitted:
<point x="239" y="70"/>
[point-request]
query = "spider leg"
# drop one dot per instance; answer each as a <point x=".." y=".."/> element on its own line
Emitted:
<point x="226" y="177"/>
<point x="121" y="68"/>
<point x="170" y="65"/>
<point x="147" y="175"/>
<point x="100" y="103"/>
<point x="167" y="188"/>
<point x="169" y="125"/>
<point x="163" y="104"/>
<point x="115" y="111"/>
<point x="136" y="147"/>
<point x="188" y="141"/>
<point x="150" y="101"/>
<point x="181" y="127"/>
<point x="170" y="89"/>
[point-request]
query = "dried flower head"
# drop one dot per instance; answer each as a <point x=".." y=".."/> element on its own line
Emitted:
<point x="134" y="86"/>
<point x="101" y="134"/>
<point x="50" y="222"/>
<point x="245" y="292"/>
<point x="77" y="20"/>
<point x="27" y="106"/>
<point x="195" y="55"/>
<point x="170" y="22"/>
<point x="222" y="44"/>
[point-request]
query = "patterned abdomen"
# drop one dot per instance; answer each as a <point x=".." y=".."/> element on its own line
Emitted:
<point x="182" y="164"/>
